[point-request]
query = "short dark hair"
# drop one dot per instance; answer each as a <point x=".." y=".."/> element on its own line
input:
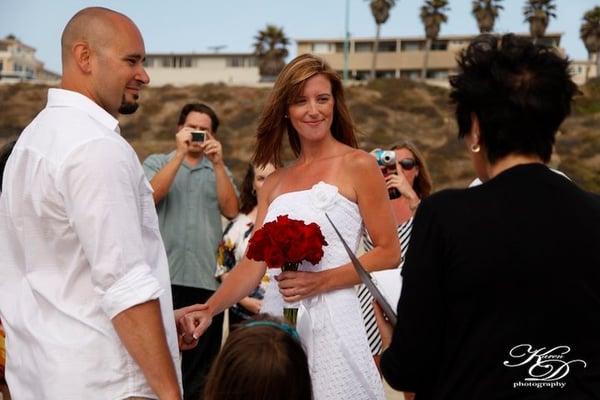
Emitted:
<point x="260" y="360"/>
<point x="520" y="92"/>
<point x="248" y="198"/>
<point x="201" y="108"/>
<point x="5" y="152"/>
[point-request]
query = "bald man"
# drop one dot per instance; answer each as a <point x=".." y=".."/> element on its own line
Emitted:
<point x="84" y="282"/>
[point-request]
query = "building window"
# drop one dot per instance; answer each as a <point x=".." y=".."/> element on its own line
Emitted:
<point x="362" y="75"/>
<point x="385" y="74"/>
<point x="387" y="46"/>
<point x="363" y="47"/>
<point x="1" y="66"/>
<point x="412" y="74"/>
<point x="412" y="46"/>
<point x="149" y="62"/>
<point x="440" y="45"/>
<point x="235" y="62"/>
<point x="321" y="48"/>
<point x="17" y="68"/>
<point x="547" y="42"/>
<point x="176" y="62"/>
<point x="339" y="47"/>
<point x="437" y="74"/>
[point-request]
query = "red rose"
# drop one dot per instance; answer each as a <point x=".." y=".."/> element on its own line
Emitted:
<point x="287" y="240"/>
<point x="273" y="257"/>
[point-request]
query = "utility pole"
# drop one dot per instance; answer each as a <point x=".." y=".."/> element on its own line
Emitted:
<point x="347" y="41"/>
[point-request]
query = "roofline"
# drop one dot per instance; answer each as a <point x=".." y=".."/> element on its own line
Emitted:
<point x="212" y="55"/>
<point x="17" y="41"/>
<point x="407" y="38"/>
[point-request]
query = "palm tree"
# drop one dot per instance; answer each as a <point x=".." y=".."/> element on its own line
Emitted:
<point x="270" y="48"/>
<point x="537" y="14"/>
<point x="381" y="12"/>
<point x="486" y="12"/>
<point x="590" y="34"/>
<point x="433" y="16"/>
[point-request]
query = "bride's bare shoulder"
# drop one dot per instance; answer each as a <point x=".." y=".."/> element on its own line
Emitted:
<point x="359" y="161"/>
<point x="272" y="185"/>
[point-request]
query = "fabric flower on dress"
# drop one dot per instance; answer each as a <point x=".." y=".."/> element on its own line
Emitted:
<point x="324" y="196"/>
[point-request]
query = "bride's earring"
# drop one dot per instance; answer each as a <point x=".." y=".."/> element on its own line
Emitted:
<point x="475" y="148"/>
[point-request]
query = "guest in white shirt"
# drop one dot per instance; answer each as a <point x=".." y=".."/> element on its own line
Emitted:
<point x="84" y="284"/>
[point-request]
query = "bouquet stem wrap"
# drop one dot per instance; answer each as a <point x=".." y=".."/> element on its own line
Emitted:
<point x="290" y="310"/>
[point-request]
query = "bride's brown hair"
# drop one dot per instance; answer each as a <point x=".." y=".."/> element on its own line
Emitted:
<point x="288" y="87"/>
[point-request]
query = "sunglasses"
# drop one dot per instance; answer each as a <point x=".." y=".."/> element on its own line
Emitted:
<point x="408" y="163"/>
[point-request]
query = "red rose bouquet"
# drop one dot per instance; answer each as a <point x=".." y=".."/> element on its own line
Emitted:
<point x="285" y="243"/>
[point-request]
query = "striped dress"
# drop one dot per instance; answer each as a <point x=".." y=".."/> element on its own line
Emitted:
<point x="365" y="298"/>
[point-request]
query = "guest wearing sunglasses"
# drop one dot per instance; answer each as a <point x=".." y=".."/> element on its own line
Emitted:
<point x="413" y="181"/>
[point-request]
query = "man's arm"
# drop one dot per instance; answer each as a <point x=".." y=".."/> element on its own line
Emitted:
<point x="100" y="185"/>
<point x="142" y="332"/>
<point x="228" y="201"/>
<point x="163" y="179"/>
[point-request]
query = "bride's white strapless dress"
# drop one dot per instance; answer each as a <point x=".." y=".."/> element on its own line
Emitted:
<point x="330" y="325"/>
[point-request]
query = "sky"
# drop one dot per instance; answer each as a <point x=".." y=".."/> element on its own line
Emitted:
<point x="196" y="25"/>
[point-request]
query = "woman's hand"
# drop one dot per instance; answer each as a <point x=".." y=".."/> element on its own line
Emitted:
<point x="385" y="327"/>
<point x="186" y="342"/>
<point x="298" y="285"/>
<point x="193" y="325"/>
<point x="399" y="182"/>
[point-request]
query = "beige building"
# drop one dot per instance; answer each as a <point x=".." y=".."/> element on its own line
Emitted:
<point x="18" y="64"/>
<point x="397" y="57"/>
<point x="199" y="68"/>
<point x="579" y="68"/>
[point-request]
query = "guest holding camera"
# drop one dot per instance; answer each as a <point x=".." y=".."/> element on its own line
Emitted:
<point x="408" y="181"/>
<point x="501" y="282"/>
<point x="192" y="188"/>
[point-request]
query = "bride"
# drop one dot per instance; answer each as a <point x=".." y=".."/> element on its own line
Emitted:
<point x="329" y="175"/>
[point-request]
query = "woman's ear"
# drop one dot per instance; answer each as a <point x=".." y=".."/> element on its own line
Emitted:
<point x="475" y="134"/>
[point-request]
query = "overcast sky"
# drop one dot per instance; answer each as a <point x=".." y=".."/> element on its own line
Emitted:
<point x="196" y="25"/>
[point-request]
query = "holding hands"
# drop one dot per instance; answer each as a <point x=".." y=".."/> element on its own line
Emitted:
<point x="191" y="323"/>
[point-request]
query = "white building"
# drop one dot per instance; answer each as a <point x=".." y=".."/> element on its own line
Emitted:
<point x="198" y="68"/>
<point x="579" y="68"/>
<point x="18" y="64"/>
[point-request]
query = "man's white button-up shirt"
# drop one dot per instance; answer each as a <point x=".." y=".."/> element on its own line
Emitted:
<point x="79" y="243"/>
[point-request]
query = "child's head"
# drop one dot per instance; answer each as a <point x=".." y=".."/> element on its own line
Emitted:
<point x="261" y="359"/>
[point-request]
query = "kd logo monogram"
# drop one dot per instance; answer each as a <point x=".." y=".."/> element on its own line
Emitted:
<point x="544" y="364"/>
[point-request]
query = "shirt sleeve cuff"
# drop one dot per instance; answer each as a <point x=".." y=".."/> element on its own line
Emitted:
<point x="136" y="287"/>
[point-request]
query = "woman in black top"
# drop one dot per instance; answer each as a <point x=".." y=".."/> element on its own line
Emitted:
<point x="501" y="295"/>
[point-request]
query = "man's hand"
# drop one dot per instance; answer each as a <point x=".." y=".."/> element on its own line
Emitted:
<point x="183" y="139"/>
<point x="186" y="343"/>
<point x="212" y="149"/>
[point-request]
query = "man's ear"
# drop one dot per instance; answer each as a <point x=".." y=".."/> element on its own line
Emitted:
<point x="82" y="56"/>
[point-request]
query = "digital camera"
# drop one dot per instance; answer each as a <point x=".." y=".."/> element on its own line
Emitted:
<point x="198" y="136"/>
<point x="386" y="159"/>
